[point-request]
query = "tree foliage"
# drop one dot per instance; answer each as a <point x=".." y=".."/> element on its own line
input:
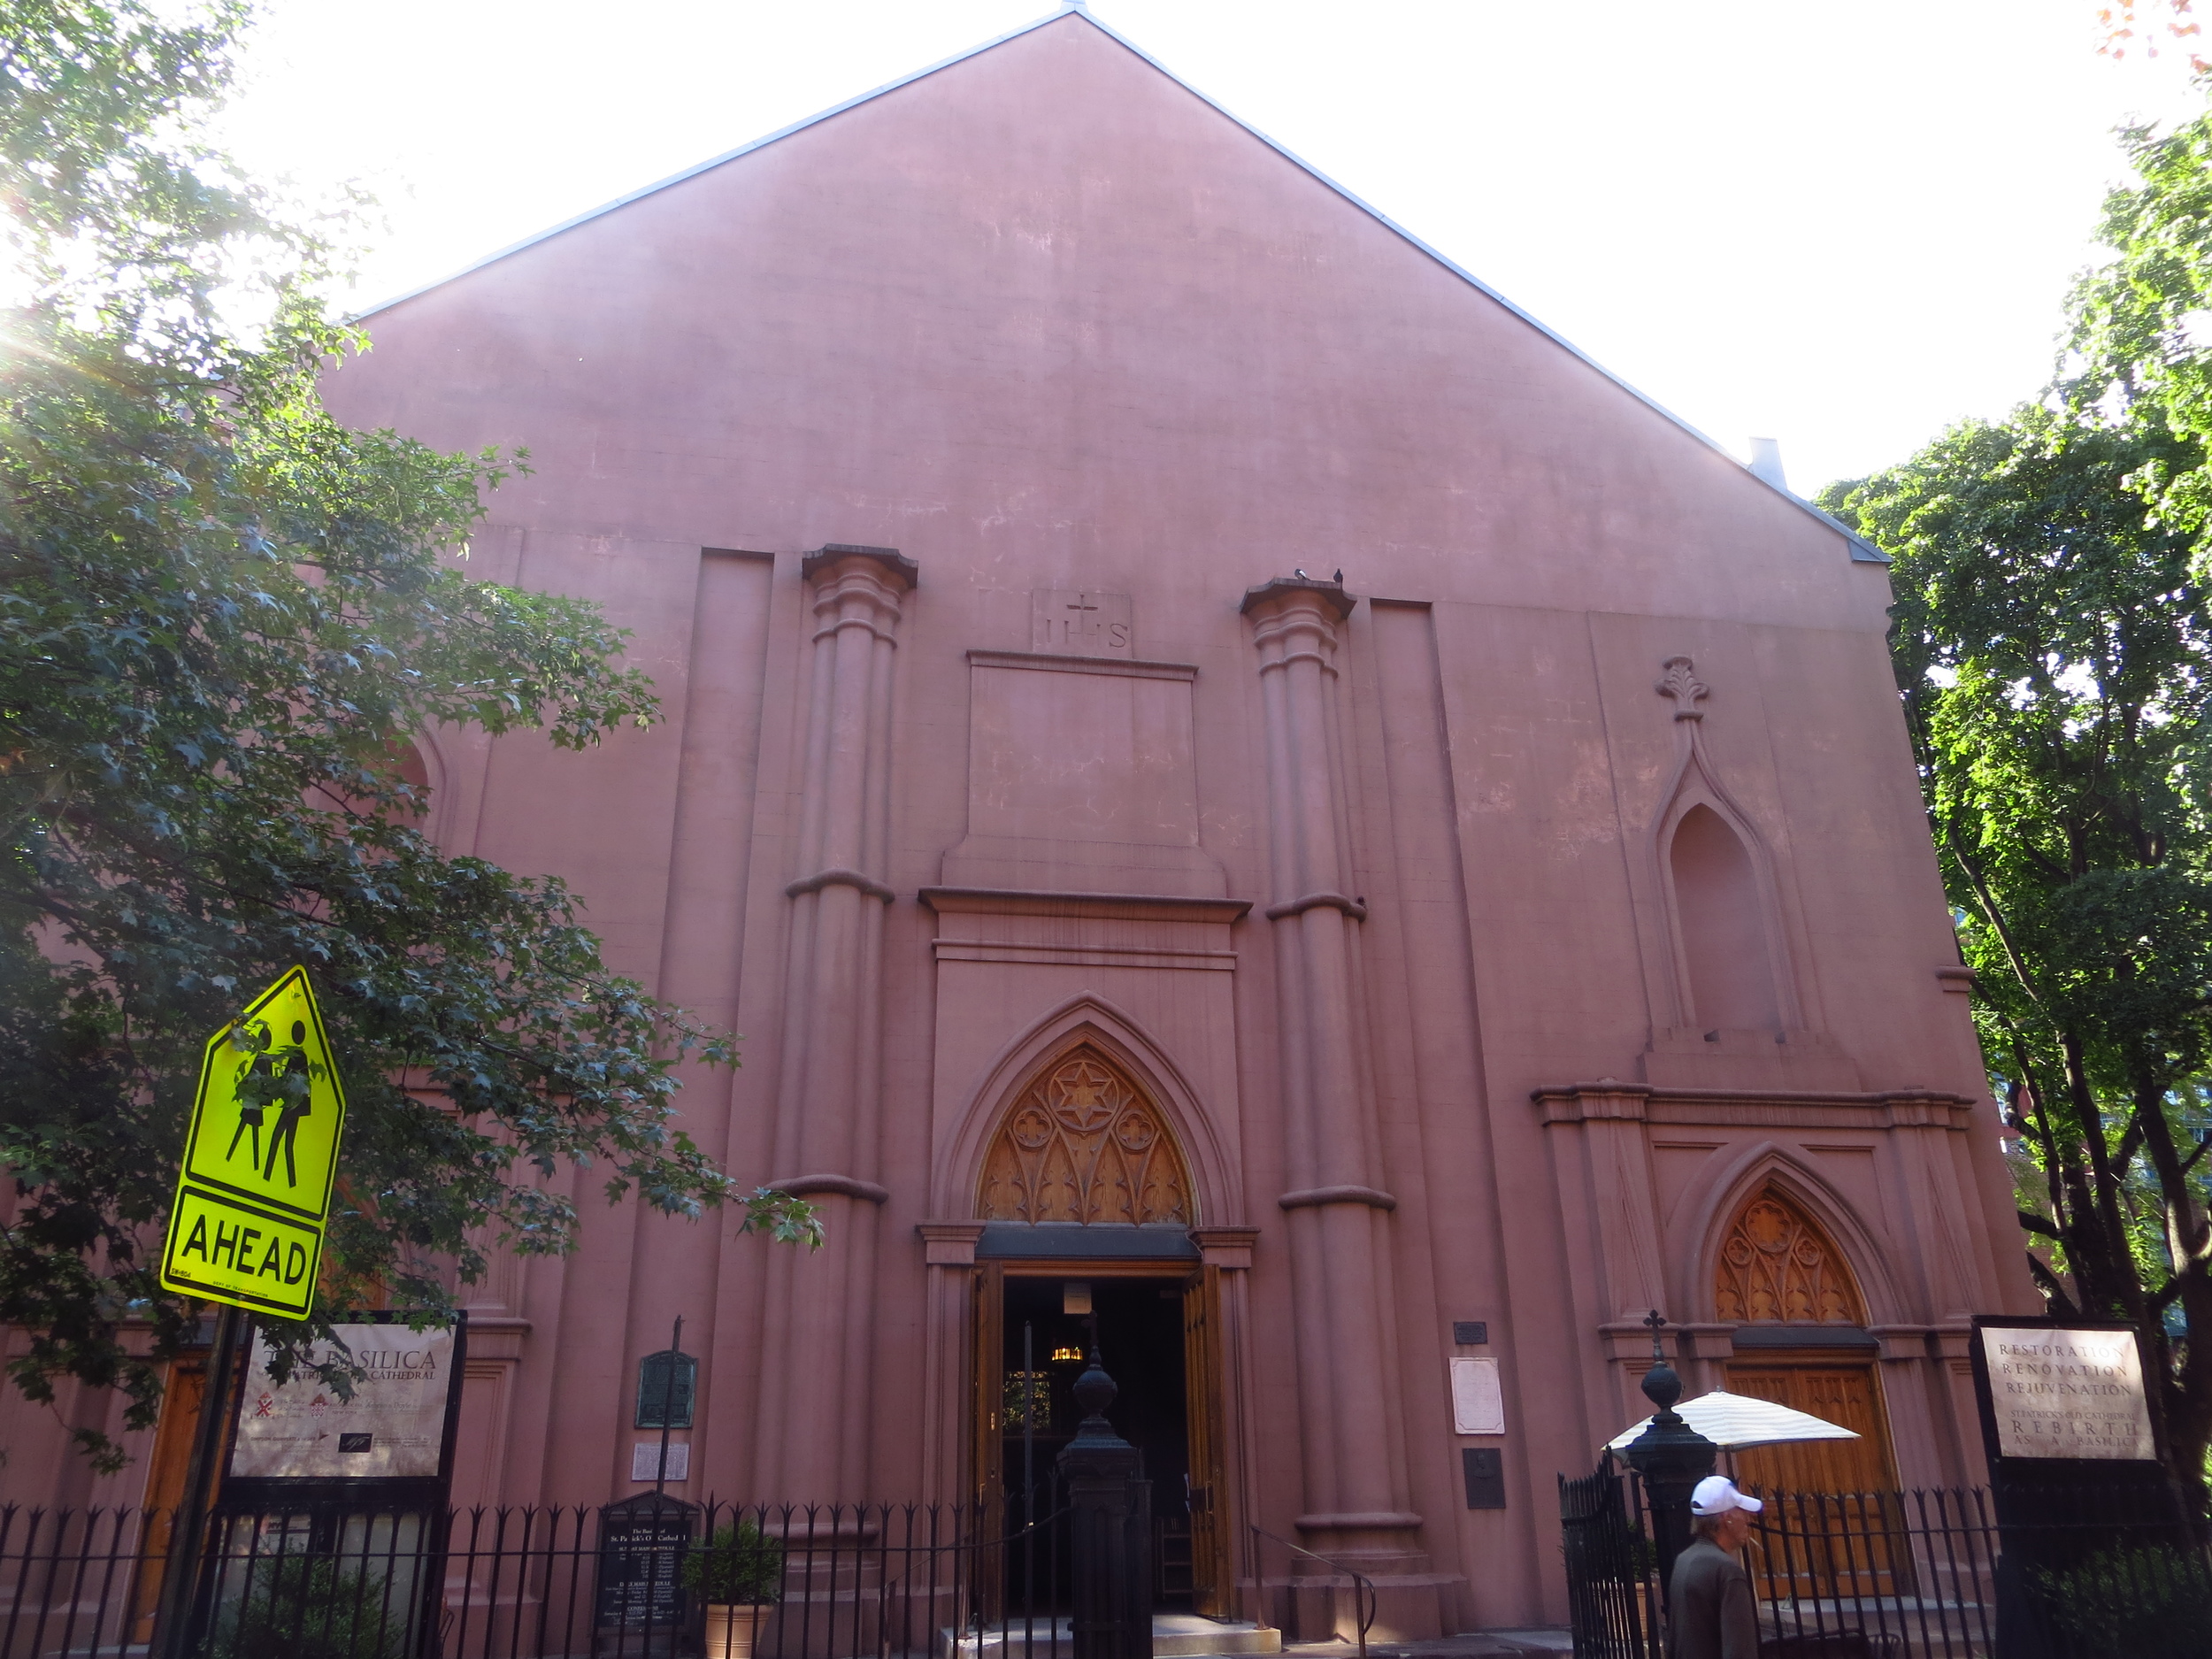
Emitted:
<point x="2144" y="25"/>
<point x="222" y="617"/>
<point x="2054" y="646"/>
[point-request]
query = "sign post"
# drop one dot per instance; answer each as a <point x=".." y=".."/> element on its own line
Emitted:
<point x="246" y="1226"/>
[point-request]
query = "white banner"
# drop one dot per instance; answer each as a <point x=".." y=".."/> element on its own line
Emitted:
<point x="393" y="1426"/>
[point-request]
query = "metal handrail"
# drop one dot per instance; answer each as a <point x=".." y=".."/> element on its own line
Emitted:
<point x="1363" y="1587"/>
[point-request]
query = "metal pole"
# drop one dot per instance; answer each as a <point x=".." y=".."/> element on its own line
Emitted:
<point x="668" y="1403"/>
<point x="1029" y="1480"/>
<point x="187" y="1528"/>
<point x="660" y="1480"/>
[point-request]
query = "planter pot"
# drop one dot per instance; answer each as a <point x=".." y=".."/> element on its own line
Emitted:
<point x="730" y="1627"/>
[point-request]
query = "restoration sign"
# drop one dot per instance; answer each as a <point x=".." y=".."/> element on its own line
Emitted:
<point x="392" y="1428"/>
<point x="2059" y="1391"/>
<point x="260" y="1158"/>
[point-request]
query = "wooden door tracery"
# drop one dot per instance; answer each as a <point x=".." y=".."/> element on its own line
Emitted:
<point x="1082" y="1143"/>
<point x="1777" y="1267"/>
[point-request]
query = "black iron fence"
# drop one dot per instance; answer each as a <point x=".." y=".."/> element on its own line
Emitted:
<point x="2057" y="1572"/>
<point x="647" y="1579"/>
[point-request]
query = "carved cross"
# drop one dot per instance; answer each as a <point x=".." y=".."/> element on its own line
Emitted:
<point x="1082" y="602"/>
<point x="1677" y="681"/>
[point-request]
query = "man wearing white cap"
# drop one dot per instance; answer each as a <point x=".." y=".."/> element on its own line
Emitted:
<point x="1709" y="1613"/>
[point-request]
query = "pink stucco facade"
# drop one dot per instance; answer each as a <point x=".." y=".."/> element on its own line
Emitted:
<point x="1482" y="957"/>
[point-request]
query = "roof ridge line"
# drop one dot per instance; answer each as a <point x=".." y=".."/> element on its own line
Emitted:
<point x="1862" y="551"/>
<point x="712" y="162"/>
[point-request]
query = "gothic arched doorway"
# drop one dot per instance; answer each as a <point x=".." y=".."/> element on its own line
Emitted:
<point x="1087" y="1201"/>
<point x="1801" y="1340"/>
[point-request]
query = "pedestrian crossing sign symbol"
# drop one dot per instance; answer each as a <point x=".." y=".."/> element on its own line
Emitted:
<point x="260" y="1159"/>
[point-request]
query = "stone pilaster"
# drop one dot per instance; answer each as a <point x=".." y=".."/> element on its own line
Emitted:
<point x="1357" y="1494"/>
<point x="817" y="1355"/>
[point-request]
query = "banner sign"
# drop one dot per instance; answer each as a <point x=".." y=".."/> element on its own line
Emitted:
<point x="392" y="1428"/>
<point x="260" y="1158"/>
<point x="2061" y="1391"/>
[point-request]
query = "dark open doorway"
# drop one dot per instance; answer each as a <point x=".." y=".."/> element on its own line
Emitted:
<point x="1139" y="1330"/>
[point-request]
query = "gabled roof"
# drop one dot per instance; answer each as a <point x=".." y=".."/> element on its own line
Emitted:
<point x="1862" y="551"/>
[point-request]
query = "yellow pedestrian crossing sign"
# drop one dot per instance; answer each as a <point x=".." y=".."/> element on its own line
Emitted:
<point x="260" y="1160"/>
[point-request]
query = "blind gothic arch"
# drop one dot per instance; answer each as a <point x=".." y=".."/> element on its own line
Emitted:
<point x="1084" y="1143"/>
<point x="1731" y="960"/>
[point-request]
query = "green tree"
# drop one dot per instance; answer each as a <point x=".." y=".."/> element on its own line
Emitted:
<point x="222" y="617"/>
<point x="2054" y="648"/>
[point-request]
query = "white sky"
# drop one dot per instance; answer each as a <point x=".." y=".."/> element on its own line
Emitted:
<point x="1843" y="223"/>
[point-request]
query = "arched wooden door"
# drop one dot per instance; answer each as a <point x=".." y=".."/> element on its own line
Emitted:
<point x="1083" y="1143"/>
<point x="1798" y="1312"/>
<point x="1801" y="1341"/>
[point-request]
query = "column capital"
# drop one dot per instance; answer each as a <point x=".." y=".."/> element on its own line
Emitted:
<point x="1225" y="1247"/>
<point x="1284" y="591"/>
<point x="831" y="554"/>
<point x="949" y="1243"/>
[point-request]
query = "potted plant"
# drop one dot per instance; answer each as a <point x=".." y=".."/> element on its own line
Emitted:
<point x="738" y="1573"/>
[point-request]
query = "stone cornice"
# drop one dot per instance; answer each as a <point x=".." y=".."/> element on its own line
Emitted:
<point x="1126" y="667"/>
<point x="1118" y="906"/>
<point x="1638" y="1102"/>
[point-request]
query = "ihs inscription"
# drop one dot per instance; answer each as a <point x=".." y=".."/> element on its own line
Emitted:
<point x="1081" y="623"/>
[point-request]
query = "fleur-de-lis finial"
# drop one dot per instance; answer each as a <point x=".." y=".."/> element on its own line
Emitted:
<point x="1677" y="681"/>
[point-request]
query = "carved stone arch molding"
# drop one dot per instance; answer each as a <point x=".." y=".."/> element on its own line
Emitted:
<point x="1694" y="787"/>
<point x="1711" y="1218"/>
<point x="1085" y="1025"/>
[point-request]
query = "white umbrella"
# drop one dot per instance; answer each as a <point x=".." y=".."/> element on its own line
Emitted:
<point x="1735" y="1421"/>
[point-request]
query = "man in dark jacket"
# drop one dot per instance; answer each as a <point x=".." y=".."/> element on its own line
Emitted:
<point x="1709" y="1613"/>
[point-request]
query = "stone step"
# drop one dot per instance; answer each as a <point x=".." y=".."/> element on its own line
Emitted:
<point x="1179" y="1635"/>
<point x="1174" y="1636"/>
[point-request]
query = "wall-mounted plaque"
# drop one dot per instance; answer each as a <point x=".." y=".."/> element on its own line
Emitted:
<point x="1478" y="1403"/>
<point x="2061" y="1391"/>
<point x="666" y="1383"/>
<point x="1484" y="1470"/>
<point x="645" y="1457"/>
<point x="394" y="1427"/>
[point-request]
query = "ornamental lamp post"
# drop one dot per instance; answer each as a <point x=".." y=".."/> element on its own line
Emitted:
<point x="1672" y="1456"/>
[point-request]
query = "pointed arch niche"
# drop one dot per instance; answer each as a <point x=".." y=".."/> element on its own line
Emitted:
<point x="1732" y="969"/>
<point x="1726" y="960"/>
<point x="1084" y="1143"/>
